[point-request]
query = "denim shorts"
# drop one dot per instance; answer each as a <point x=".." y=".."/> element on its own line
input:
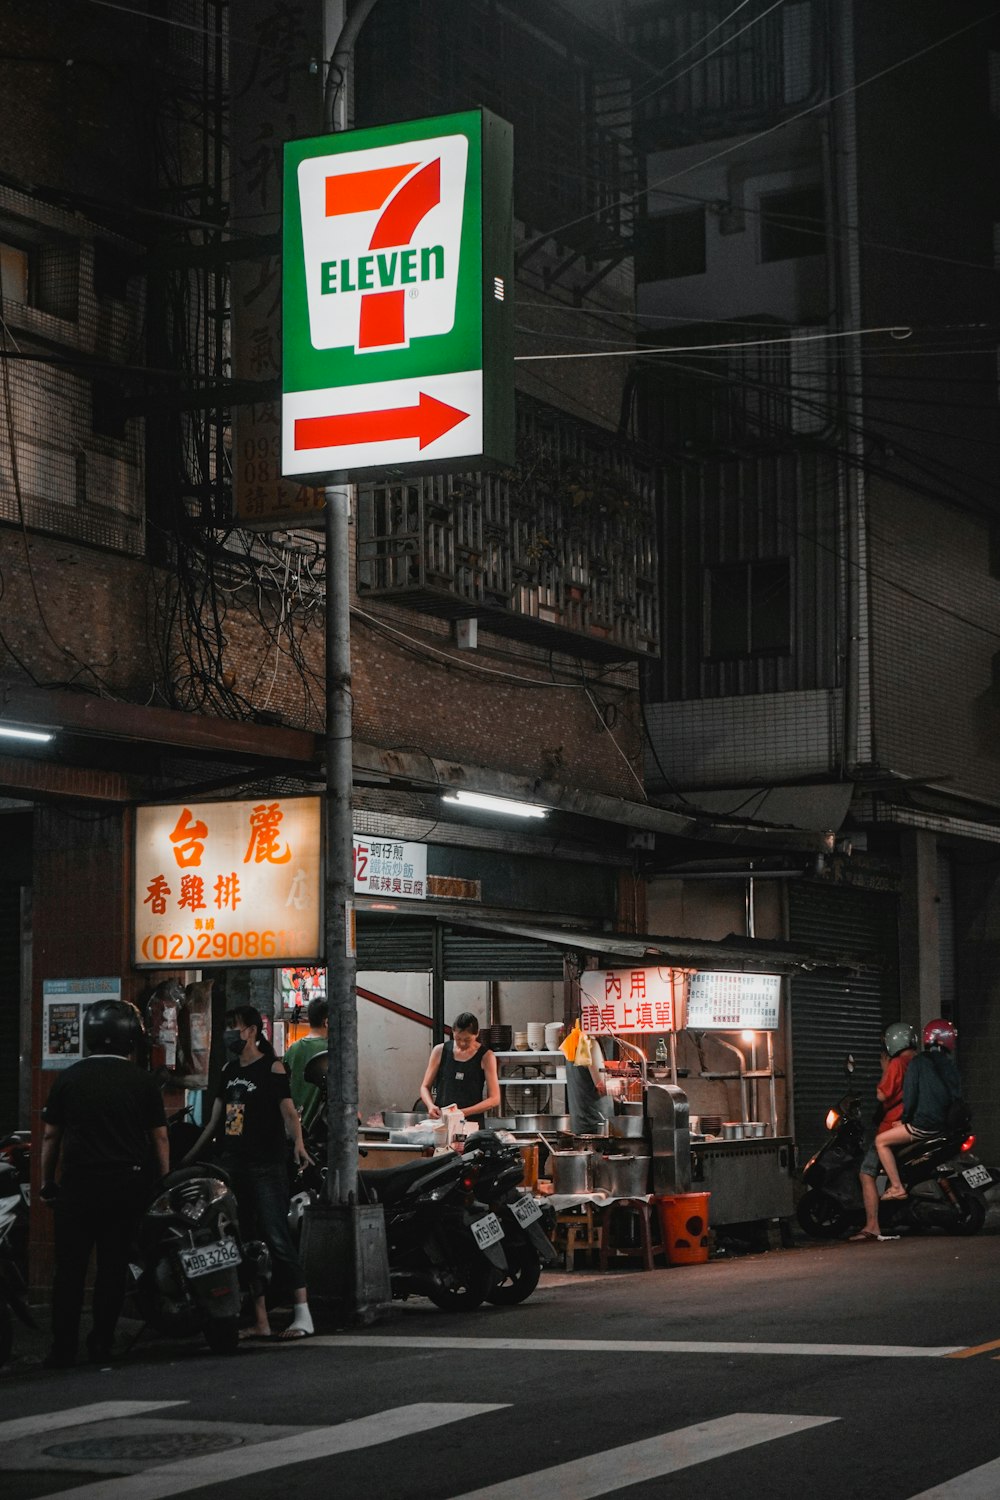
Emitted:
<point x="870" y="1164"/>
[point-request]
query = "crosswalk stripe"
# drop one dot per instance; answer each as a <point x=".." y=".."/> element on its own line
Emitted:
<point x="615" y="1469"/>
<point x="628" y="1346"/>
<point x="977" y="1484"/>
<point x="78" y="1416"/>
<point x="257" y="1458"/>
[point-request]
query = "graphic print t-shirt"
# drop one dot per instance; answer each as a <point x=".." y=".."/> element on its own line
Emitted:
<point x="253" y="1128"/>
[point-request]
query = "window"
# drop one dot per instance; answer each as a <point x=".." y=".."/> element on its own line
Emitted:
<point x="15" y="267"/>
<point x="792" y="223"/>
<point x="671" y="245"/>
<point x="748" y="608"/>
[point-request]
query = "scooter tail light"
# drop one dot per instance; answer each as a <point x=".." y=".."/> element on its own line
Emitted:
<point x="832" y="1119"/>
<point x="469" y="1181"/>
<point x="968" y="1143"/>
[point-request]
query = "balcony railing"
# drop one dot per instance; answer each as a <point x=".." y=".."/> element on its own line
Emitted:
<point x="560" y="550"/>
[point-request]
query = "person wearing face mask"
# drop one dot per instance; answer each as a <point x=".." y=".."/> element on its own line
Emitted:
<point x="253" y="1107"/>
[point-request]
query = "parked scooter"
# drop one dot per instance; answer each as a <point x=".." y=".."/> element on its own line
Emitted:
<point x="193" y="1268"/>
<point x="526" y="1245"/>
<point x="14" y="1191"/>
<point x="442" y="1243"/>
<point x="944" y="1181"/>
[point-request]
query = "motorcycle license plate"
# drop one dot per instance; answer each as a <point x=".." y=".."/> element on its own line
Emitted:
<point x="208" y="1258"/>
<point x="977" y="1177"/>
<point x="487" y="1231"/>
<point x="525" y="1211"/>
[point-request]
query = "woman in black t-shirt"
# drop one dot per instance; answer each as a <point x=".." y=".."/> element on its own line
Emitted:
<point x="254" y="1106"/>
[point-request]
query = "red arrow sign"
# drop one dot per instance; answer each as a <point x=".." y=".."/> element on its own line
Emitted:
<point x="428" y="420"/>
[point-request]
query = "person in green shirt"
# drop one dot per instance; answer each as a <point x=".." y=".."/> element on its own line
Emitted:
<point x="306" y="1096"/>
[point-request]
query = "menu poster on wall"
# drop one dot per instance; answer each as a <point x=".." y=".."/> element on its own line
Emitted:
<point x="390" y="867"/>
<point x="632" y="1000"/>
<point x="65" y="1002"/>
<point x="733" y="1002"/>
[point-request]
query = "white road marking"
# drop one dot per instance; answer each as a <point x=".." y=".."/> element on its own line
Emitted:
<point x="78" y="1416"/>
<point x="628" y="1346"/>
<point x="615" y="1469"/>
<point x="977" y="1484"/>
<point x="239" y="1463"/>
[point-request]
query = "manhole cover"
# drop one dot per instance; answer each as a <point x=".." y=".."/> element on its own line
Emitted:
<point x="144" y="1447"/>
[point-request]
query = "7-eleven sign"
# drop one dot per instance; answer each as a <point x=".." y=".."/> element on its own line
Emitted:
<point x="397" y="298"/>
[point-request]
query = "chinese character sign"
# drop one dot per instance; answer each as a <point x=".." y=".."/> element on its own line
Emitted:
<point x="720" y="1001"/>
<point x="631" y="1000"/>
<point x="387" y="867"/>
<point x="221" y="882"/>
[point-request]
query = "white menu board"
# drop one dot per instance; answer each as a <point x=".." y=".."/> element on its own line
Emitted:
<point x="721" y="1001"/>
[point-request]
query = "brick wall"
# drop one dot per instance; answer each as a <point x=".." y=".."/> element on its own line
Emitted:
<point x="101" y="619"/>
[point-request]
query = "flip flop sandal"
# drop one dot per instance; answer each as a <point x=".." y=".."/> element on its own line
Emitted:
<point x="864" y="1237"/>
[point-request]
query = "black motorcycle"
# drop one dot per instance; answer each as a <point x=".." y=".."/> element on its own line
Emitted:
<point x="526" y="1245"/>
<point x="944" y="1181"/>
<point x="193" y="1269"/>
<point x="14" y="1167"/>
<point x="442" y="1242"/>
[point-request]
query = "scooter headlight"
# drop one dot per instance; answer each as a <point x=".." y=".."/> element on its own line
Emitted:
<point x="833" y="1119"/>
<point x="189" y="1200"/>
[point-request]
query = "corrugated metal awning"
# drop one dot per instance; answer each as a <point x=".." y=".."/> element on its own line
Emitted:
<point x="738" y="954"/>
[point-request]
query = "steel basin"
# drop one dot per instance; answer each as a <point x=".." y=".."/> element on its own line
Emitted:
<point x="398" y="1120"/>
<point x="622" y="1176"/>
<point x="543" y="1124"/>
<point x="627" y="1127"/>
<point x="572" y="1171"/>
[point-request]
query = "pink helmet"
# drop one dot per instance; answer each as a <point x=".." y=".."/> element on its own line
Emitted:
<point x="940" y="1033"/>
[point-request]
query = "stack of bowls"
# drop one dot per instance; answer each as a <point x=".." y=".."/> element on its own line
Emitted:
<point x="536" y="1036"/>
<point x="554" y="1032"/>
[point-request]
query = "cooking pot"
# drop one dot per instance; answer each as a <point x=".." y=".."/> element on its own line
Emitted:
<point x="397" y="1120"/>
<point x="544" y="1124"/>
<point x="622" y="1176"/>
<point x="628" y="1127"/>
<point x="755" y="1130"/>
<point x="732" y="1130"/>
<point x="628" y="1107"/>
<point x="572" y="1171"/>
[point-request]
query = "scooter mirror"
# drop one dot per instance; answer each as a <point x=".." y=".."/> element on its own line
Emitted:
<point x="849" y="1064"/>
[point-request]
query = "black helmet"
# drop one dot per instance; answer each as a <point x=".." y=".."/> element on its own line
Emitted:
<point x="114" y="1027"/>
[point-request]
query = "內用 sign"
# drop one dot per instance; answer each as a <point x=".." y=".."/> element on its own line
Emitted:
<point x="397" y="298"/>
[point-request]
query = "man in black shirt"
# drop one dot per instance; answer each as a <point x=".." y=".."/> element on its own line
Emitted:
<point x="104" y="1118"/>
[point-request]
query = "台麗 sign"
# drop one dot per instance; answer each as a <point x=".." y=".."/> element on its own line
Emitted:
<point x="632" y="1000"/>
<point x="398" y="298"/>
<point x="228" y="882"/>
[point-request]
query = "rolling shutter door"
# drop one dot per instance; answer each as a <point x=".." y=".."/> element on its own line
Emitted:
<point x="833" y="1014"/>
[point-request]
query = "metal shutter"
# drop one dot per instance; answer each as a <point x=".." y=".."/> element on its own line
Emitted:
<point x="395" y="945"/>
<point x="471" y="955"/>
<point x="832" y="1014"/>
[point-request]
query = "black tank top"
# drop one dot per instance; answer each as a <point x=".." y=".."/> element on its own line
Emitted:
<point x="461" y="1083"/>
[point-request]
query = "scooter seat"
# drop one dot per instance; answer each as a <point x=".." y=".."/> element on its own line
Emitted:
<point x="385" y="1184"/>
<point x="920" y="1146"/>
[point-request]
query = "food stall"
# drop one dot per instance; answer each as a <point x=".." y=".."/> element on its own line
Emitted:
<point x="719" y="1028"/>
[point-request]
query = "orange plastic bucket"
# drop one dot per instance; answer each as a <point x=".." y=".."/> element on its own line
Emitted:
<point x="684" y="1219"/>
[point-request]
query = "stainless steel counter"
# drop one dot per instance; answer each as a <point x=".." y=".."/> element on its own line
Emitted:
<point x="747" y="1179"/>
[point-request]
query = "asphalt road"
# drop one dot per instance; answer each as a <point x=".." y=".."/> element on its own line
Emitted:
<point x="821" y="1371"/>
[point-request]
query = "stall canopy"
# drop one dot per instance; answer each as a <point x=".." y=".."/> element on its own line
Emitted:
<point x="733" y="953"/>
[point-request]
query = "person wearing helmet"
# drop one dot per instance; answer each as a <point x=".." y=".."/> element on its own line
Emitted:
<point x="899" y="1048"/>
<point x="931" y="1087"/>
<point x="106" y="1129"/>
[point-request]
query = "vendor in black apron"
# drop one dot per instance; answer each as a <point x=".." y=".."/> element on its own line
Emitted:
<point x="461" y="1072"/>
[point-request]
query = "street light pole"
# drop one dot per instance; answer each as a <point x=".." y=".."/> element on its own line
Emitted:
<point x="343" y="1244"/>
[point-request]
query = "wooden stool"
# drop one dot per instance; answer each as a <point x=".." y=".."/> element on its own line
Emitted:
<point x="580" y="1231"/>
<point x="613" y="1216"/>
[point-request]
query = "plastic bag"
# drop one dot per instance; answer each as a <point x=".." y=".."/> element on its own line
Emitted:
<point x="584" y="1056"/>
<point x="569" y="1044"/>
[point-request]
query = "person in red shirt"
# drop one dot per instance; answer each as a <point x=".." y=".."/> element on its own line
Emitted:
<point x="899" y="1047"/>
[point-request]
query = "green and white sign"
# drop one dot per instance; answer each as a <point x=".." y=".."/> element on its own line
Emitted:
<point x="398" y="298"/>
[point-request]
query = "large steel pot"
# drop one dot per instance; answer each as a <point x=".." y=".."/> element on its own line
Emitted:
<point x="572" y="1171"/>
<point x="543" y="1124"/>
<point x="628" y="1127"/>
<point x="622" y="1176"/>
<point x="398" y="1120"/>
